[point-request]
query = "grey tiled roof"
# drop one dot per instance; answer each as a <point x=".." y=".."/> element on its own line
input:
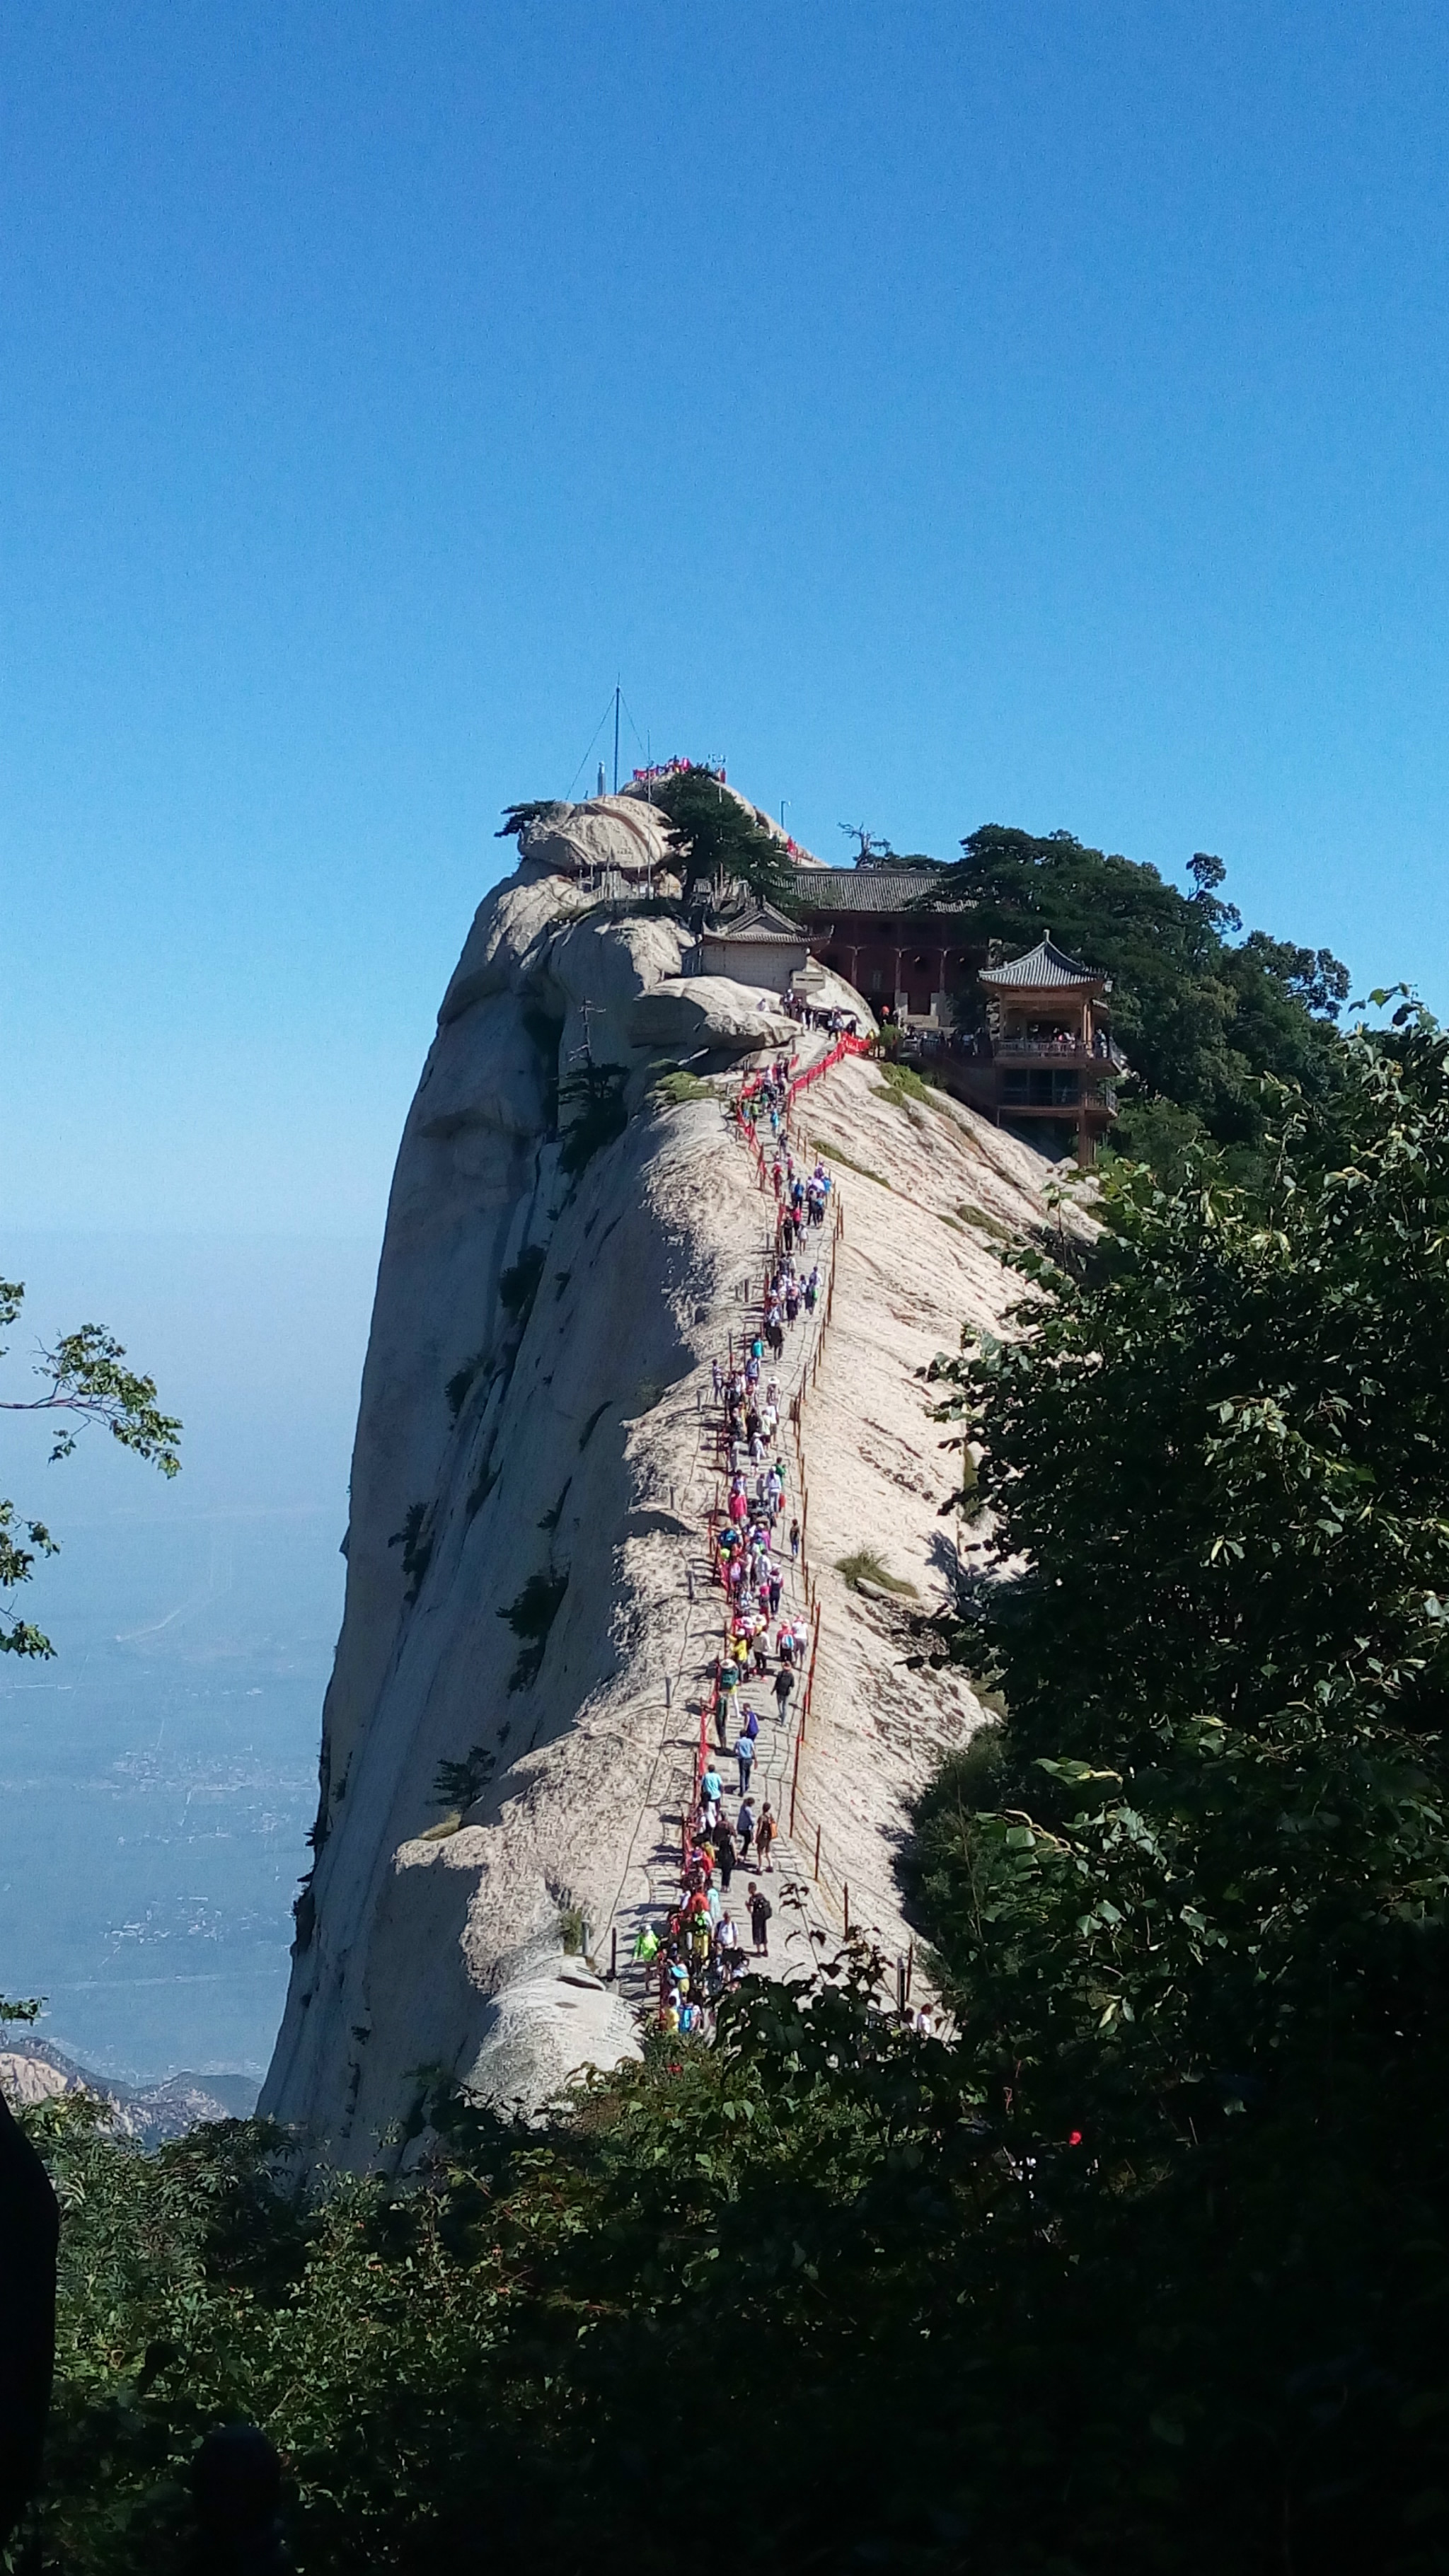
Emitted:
<point x="1042" y="965"/>
<point x="758" y="934"/>
<point x="864" y="889"/>
<point x="762" y="926"/>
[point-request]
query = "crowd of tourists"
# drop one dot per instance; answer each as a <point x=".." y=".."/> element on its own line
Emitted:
<point x="810" y="1016"/>
<point x="711" y="1934"/>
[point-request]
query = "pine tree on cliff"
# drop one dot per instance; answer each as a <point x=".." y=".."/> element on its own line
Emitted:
<point x="714" y="838"/>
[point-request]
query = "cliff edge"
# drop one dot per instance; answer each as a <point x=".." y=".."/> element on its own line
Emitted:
<point x="510" y="1729"/>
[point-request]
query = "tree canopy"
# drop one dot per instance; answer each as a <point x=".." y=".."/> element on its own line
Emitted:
<point x="84" y="1381"/>
<point x="1198" y="1016"/>
<point x="715" y="838"/>
<point x="1193" y="1897"/>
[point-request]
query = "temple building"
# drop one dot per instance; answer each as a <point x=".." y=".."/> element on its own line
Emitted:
<point x="756" y="946"/>
<point x="1025" y="1040"/>
<point x="863" y="923"/>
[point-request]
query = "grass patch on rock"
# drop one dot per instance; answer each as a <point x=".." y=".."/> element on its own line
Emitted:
<point x="838" y="1154"/>
<point x="864" y="1566"/>
<point x="985" y="1224"/>
<point x="902" y="1084"/>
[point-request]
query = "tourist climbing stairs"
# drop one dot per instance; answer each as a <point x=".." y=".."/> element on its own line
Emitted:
<point x="810" y="1911"/>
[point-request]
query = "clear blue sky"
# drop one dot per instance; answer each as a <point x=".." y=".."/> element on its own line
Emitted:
<point x="946" y="412"/>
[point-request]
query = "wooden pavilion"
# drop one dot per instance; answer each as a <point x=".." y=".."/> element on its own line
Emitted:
<point x="1047" y="1069"/>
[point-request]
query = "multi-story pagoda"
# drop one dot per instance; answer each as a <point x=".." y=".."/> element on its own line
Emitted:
<point x="1047" y="1065"/>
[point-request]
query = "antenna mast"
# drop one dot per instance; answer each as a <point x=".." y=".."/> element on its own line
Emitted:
<point x="616" y="736"/>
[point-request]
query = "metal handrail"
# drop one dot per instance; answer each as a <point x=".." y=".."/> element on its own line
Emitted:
<point x="1051" y="1049"/>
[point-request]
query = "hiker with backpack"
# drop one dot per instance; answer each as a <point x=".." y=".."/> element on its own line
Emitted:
<point x="760" y="1912"/>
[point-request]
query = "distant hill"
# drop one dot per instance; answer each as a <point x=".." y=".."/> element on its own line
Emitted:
<point x="31" y="2070"/>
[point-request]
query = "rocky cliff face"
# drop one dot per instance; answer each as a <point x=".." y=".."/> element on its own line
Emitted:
<point x="507" y="1735"/>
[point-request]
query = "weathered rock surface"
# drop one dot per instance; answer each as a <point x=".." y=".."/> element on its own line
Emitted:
<point x="711" y="1012"/>
<point x="529" y="1486"/>
<point x="620" y="832"/>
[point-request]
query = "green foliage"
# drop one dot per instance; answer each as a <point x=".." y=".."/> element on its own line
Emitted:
<point x="519" y="1286"/>
<point x="1200" y="1914"/>
<point x="901" y="1083"/>
<point x="1198" y="1017"/>
<point x="415" y="1538"/>
<point x="533" y="809"/>
<point x="458" y="1784"/>
<point x="17" y="1561"/>
<point x="594" y="1096"/>
<point x="1014" y="2345"/>
<point x="1275" y="1400"/>
<point x="84" y="1382"/>
<point x="714" y="839"/>
<point x="530" y="1617"/>
<point x="460" y="1386"/>
<point x="864" y="1566"/>
<point x="1158" y="1133"/>
<point x="837" y="1153"/>
<point x="573" y="1931"/>
<point x="983" y="1222"/>
<point x="678" y="1087"/>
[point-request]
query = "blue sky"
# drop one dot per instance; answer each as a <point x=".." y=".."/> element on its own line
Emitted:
<point x="1034" y="413"/>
